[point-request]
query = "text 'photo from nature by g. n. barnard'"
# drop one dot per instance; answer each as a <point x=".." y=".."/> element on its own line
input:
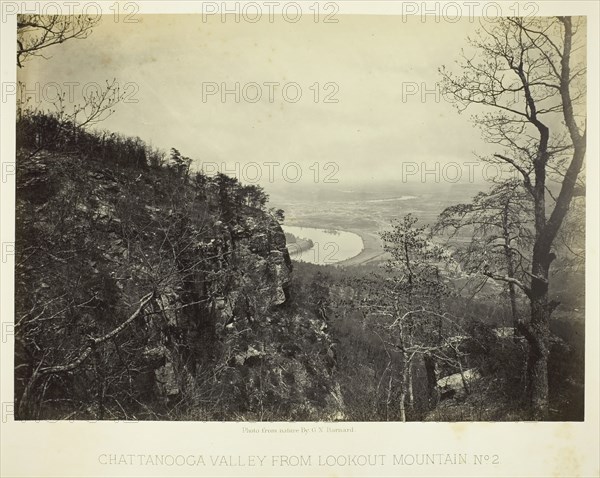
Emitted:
<point x="320" y="218"/>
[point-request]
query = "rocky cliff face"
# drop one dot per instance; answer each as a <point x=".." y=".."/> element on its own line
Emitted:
<point x="145" y="293"/>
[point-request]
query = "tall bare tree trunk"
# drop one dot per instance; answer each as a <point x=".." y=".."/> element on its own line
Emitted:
<point x="433" y="395"/>
<point x="532" y="52"/>
<point x="402" y="404"/>
<point x="539" y="344"/>
<point x="403" y="390"/>
<point x="411" y="393"/>
<point x="541" y="309"/>
<point x="510" y="266"/>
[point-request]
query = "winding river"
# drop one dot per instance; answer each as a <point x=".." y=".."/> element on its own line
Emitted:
<point x="329" y="245"/>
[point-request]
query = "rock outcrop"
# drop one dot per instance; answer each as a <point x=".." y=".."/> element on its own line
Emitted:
<point x="218" y="339"/>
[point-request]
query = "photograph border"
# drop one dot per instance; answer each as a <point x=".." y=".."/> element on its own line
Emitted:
<point x="78" y="448"/>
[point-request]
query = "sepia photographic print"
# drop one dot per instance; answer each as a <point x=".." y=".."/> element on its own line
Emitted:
<point x="300" y="238"/>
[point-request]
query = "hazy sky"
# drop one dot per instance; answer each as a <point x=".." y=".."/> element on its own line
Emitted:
<point x="371" y="59"/>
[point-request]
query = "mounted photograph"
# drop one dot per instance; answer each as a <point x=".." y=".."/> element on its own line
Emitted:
<point x="303" y="216"/>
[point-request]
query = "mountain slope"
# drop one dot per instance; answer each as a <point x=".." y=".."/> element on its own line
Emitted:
<point x="153" y="293"/>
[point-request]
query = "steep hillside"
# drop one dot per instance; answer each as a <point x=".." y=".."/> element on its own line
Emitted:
<point x="149" y="292"/>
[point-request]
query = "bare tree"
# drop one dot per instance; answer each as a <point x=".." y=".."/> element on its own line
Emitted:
<point x="408" y="305"/>
<point x="38" y="32"/>
<point x="528" y="75"/>
<point x="35" y="33"/>
<point x="498" y="224"/>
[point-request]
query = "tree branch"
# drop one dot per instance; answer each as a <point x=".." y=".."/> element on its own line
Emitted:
<point x="95" y="341"/>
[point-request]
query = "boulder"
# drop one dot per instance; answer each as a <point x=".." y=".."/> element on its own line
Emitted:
<point x="454" y="385"/>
